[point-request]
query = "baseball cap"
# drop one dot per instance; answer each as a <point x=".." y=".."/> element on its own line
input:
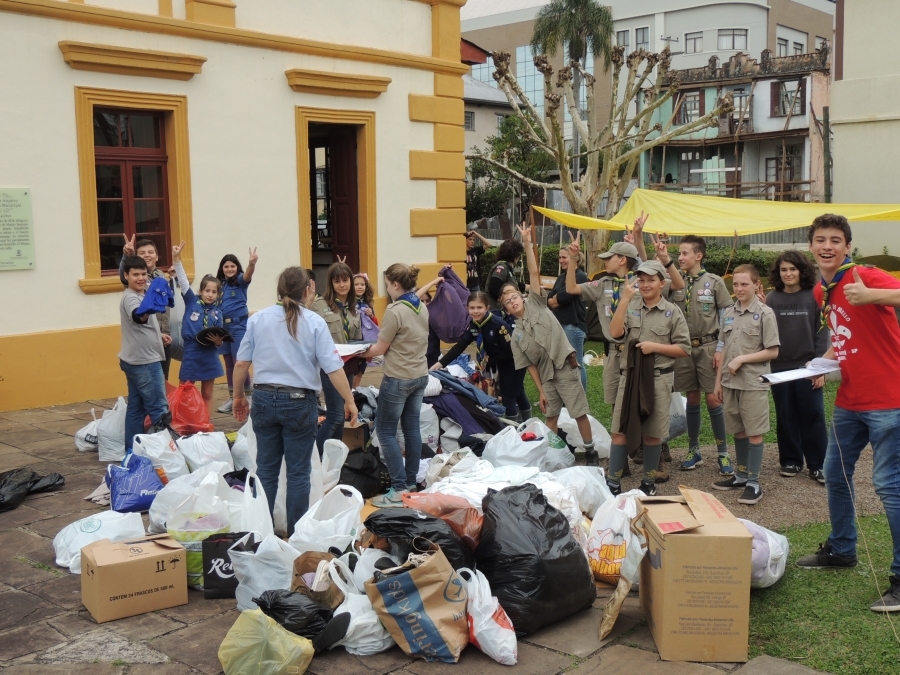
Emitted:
<point x="651" y="267"/>
<point x="621" y="248"/>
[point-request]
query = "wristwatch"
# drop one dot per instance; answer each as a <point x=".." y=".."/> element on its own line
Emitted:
<point x="670" y="263"/>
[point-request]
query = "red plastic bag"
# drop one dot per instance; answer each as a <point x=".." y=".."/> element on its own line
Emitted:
<point x="189" y="412"/>
<point x="462" y="517"/>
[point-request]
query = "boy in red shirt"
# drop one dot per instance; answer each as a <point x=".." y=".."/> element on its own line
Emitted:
<point x="856" y="308"/>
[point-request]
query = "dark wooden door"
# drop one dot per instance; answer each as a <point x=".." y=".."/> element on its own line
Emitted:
<point x="344" y="194"/>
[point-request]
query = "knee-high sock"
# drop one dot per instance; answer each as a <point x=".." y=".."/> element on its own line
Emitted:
<point x="693" y="425"/>
<point x="717" y="419"/>
<point x="618" y="456"/>
<point x="741" y="456"/>
<point x="651" y="461"/>
<point x="754" y="462"/>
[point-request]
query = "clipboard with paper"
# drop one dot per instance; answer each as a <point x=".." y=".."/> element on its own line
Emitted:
<point x="815" y="368"/>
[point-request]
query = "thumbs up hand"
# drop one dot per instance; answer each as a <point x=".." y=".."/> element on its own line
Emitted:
<point x="856" y="292"/>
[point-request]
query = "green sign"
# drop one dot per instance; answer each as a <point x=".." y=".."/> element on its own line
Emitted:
<point x="16" y="234"/>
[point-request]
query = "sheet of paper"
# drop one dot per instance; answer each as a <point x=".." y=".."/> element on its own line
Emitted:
<point x="345" y="351"/>
<point x="816" y="368"/>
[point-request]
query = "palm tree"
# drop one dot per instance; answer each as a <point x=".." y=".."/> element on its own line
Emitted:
<point x="582" y="26"/>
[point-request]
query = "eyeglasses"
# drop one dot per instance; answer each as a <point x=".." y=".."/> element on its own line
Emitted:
<point x="510" y="299"/>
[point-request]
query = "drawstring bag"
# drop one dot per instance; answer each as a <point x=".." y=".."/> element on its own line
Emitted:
<point x="447" y="313"/>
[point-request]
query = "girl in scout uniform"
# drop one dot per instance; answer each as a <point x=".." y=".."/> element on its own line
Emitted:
<point x="539" y="344"/>
<point x="493" y="354"/>
<point x="750" y="336"/>
<point x="659" y="328"/>
<point x="338" y="307"/>
<point x="235" y="280"/>
<point x="200" y="363"/>
<point x="705" y="298"/>
<point x="403" y="340"/>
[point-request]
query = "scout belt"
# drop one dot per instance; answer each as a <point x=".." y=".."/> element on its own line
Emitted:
<point x="704" y="340"/>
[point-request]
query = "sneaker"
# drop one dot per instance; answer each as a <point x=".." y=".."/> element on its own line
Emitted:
<point x="729" y="484"/>
<point x="725" y="467"/>
<point x="226" y="407"/>
<point x="409" y="488"/>
<point x="790" y="470"/>
<point x="662" y="472"/>
<point x="752" y="494"/>
<point x="825" y="558"/>
<point x="693" y="460"/>
<point x="666" y="455"/>
<point x="648" y="487"/>
<point x="615" y="489"/>
<point x="591" y="459"/>
<point x="818" y="475"/>
<point x="387" y="500"/>
<point x="890" y="601"/>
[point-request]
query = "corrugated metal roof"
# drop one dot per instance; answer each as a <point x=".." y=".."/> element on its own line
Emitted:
<point x="477" y="91"/>
<point x="475" y="9"/>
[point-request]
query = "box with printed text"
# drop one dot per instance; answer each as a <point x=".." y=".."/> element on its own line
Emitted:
<point x="132" y="577"/>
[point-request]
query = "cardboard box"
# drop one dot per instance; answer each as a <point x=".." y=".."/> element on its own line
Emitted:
<point x="354" y="437"/>
<point x="695" y="578"/>
<point x="133" y="577"/>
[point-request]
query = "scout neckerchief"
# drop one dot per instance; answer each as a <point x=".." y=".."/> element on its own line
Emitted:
<point x="827" y="288"/>
<point x="618" y="288"/>
<point x="480" y="356"/>
<point x="690" y="288"/>
<point x="206" y="309"/>
<point x="345" y="320"/>
<point x="411" y="300"/>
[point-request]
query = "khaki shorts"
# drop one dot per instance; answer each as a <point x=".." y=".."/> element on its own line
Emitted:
<point x="746" y="410"/>
<point x="611" y="375"/>
<point x="657" y="425"/>
<point x="696" y="372"/>
<point x="565" y="390"/>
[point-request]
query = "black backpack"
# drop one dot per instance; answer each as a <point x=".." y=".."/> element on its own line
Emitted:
<point x="365" y="471"/>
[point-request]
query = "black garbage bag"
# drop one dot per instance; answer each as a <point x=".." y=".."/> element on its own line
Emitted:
<point x="295" y="611"/>
<point x="537" y="570"/>
<point x="401" y="525"/>
<point x="17" y="484"/>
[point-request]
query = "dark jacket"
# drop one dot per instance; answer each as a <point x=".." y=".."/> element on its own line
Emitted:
<point x="502" y="274"/>
<point x="571" y="310"/>
<point x="496" y="336"/>
<point x="637" y="404"/>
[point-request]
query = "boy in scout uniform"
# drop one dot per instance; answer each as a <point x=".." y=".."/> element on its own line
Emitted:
<point x="660" y="329"/>
<point x="750" y="337"/>
<point x="705" y="297"/>
<point x="539" y="343"/>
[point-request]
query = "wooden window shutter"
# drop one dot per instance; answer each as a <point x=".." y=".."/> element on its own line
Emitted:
<point x="774" y="96"/>
<point x="802" y="86"/>
<point x="702" y="102"/>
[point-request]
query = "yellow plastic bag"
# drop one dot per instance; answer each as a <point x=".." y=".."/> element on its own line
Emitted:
<point x="257" y="645"/>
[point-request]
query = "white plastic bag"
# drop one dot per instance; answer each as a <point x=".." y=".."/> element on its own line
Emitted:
<point x="489" y="627"/>
<point x="333" y="457"/>
<point x="450" y="433"/>
<point x="254" y="514"/>
<point x="590" y="486"/>
<point x="111" y="433"/>
<point x="333" y="521"/>
<point x="366" y="634"/>
<point x="769" y="556"/>
<point x="508" y="449"/>
<point x="179" y="489"/>
<point x="441" y="464"/>
<point x="86" y="437"/>
<point x="201" y="449"/>
<point x="677" y="416"/>
<point x="160" y="449"/>
<point x="615" y="549"/>
<point x="557" y="455"/>
<point x="279" y="514"/>
<point x="365" y="565"/>
<point x="270" y="568"/>
<point x="602" y="439"/>
<point x="429" y="429"/>
<point x="111" y="525"/>
<point x="243" y="452"/>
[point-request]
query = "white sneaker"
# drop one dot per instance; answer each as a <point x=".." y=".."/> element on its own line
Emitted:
<point x="226" y="407"/>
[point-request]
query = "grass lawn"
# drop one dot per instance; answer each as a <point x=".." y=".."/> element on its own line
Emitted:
<point x="603" y="412"/>
<point x="821" y="618"/>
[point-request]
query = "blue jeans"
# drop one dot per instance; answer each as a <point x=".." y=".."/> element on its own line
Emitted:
<point x="333" y="426"/>
<point x="853" y="431"/>
<point x="146" y="396"/>
<point x="399" y="401"/>
<point x="576" y="338"/>
<point x="285" y="428"/>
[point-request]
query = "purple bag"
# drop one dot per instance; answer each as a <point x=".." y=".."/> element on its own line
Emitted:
<point x="447" y="313"/>
<point x="369" y="328"/>
<point x="450" y="277"/>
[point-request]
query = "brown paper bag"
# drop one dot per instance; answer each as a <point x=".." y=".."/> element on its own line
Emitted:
<point x="308" y="563"/>
<point x="424" y="607"/>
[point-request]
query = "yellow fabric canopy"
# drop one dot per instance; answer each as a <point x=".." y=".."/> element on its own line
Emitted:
<point x="680" y="214"/>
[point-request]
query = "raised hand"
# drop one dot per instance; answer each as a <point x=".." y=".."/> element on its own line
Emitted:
<point x="661" y="244"/>
<point x="176" y="250"/>
<point x="128" y="248"/>
<point x="760" y="292"/>
<point x="856" y="292"/>
<point x="639" y="224"/>
<point x="627" y="293"/>
<point x="525" y="231"/>
<point x="253" y="256"/>
<point x="575" y="246"/>
<point x="629" y="236"/>
<point x="340" y="259"/>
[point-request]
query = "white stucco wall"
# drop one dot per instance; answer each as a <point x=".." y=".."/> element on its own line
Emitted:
<point x="243" y="152"/>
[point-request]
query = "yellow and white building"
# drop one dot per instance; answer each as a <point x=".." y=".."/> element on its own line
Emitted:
<point x="206" y="121"/>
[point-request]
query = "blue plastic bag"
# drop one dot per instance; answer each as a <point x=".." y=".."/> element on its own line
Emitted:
<point x="132" y="486"/>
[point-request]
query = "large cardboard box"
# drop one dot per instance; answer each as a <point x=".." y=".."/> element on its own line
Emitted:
<point x="133" y="577"/>
<point x="695" y="578"/>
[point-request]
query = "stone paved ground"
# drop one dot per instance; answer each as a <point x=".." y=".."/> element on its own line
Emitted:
<point x="44" y="629"/>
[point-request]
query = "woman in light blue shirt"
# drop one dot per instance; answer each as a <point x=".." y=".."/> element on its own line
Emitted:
<point x="287" y="345"/>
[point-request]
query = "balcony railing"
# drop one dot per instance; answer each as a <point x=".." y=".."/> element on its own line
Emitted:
<point x="779" y="191"/>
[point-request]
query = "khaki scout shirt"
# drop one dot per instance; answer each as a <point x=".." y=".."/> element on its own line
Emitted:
<point x="539" y="339"/>
<point x="407" y="332"/>
<point x="663" y="323"/>
<point x="708" y="295"/>
<point x="602" y="291"/>
<point x="335" y="323"/>
<point x="746" y="331"/>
